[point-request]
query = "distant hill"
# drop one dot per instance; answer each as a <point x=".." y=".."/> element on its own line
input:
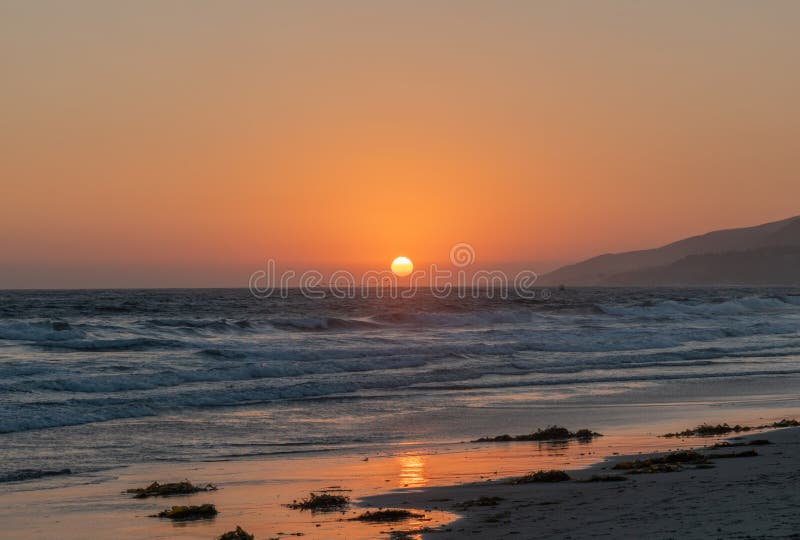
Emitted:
<point x="763" y="255"/>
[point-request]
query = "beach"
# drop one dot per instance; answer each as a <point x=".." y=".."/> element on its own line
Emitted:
<point x="744" y="497"/>
<point x="747" y="497"/>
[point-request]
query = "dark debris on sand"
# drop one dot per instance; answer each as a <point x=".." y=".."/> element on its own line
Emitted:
<point x="676" y="461"/>
<point x="238" y="534"/>
<point x="408" y="535"/>
<point x="669" y="463"/>
<point x="552" y="433"/>
<point x="387" y="515"/>
<point x="185" y="513"/>
<point x="784" y="423"/>
<point x="324" y="502"/>
<point x="541" y="476"/>
<point x="746" y="453"/>
<point x="165" y="490"/>
<point x="726" y="444"/>
<point x="708" y="430"/>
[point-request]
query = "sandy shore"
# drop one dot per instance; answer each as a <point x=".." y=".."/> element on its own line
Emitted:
<point x="753" y="497"/>
<point x="253" y="493"/>
<point x="746" y="497"/>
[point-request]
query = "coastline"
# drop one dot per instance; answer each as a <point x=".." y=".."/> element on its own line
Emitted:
<point x="271" y="402"/>
<point x="743" y="497"/>
<point x="435" y="482"/>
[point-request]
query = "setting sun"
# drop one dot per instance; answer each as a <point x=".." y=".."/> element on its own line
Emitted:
<point x="402" y="266"/>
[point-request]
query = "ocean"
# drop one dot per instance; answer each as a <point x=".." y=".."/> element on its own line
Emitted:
<point x="93" y="380"/>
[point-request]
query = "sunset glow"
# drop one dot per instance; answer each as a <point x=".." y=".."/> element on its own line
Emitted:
<point x="274" y="130"/>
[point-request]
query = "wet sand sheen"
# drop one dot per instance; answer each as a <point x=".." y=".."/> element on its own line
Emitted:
<point x="254" y="493"/>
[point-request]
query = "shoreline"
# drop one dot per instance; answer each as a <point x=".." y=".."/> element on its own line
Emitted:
<point x="253" y="493"/>
<point x="743" y="497"/>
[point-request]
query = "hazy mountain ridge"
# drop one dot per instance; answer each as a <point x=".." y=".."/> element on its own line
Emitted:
<point x="745" y="256"/>
<point x="762" y="266"/>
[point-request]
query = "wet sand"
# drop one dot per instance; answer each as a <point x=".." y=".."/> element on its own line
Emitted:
<point x="745" y="497"/>
<point x="253" y="493"/>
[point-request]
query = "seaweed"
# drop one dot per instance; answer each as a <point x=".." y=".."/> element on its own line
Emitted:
<point x="411" y="534"/>
<point x="657" y="468"/>
<point x="586" y="434"/>
<point x="389" y="514"/>
<point x="668" y="463"/>
<point x="746" y="453"/>
<point x="785" y="423"/>
<point x="164" y="490"/>
<point x="182" y="513"/>
<point x="542" y="476"/>
<point x="552" y="433"/>
<point x="708" y="430"/>
<point x="238" y="534"/>
<point x="726" y="444"/>
<point x="324" y="502"/>
<point x="675" y="461"/>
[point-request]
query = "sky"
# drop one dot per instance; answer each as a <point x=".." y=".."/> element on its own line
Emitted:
<point x="184" y="143"/>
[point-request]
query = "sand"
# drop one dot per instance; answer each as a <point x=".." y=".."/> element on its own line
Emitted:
<point x="740" y="498"/>
<point x="755" y="497"/>
<point x="253" y="493"/>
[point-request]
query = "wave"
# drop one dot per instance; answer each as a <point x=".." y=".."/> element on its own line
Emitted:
<point x="218" y="325"/>
<point x="525" y="313"/>
<point x="323" y="323"/>
<point x="31" y="474"/>
<point x="222" y="353"/>
<point x="151" y="380"/>
<point x="470" y="318"/>
<point x="38" y="330"/>
<point x="614" y="379"/>
<point x="673" y="308"/>
<point x="43" y="416"/>
<point x="247" y="393"/>
<point x="570" y="350"/>
<point x="112" y="345"/>
<point x="63" y="335"/>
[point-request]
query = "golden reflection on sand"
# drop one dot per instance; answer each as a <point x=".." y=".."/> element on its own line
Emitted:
<point x="412" y="471"/>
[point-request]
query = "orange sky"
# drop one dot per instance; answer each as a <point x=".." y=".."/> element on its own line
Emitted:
<point x="183" y="143"/>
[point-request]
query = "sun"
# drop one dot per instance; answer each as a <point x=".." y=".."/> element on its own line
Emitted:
<point x="402" y="266"/>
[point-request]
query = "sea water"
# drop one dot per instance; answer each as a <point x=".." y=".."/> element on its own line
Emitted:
<point x="91" y="380"/>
